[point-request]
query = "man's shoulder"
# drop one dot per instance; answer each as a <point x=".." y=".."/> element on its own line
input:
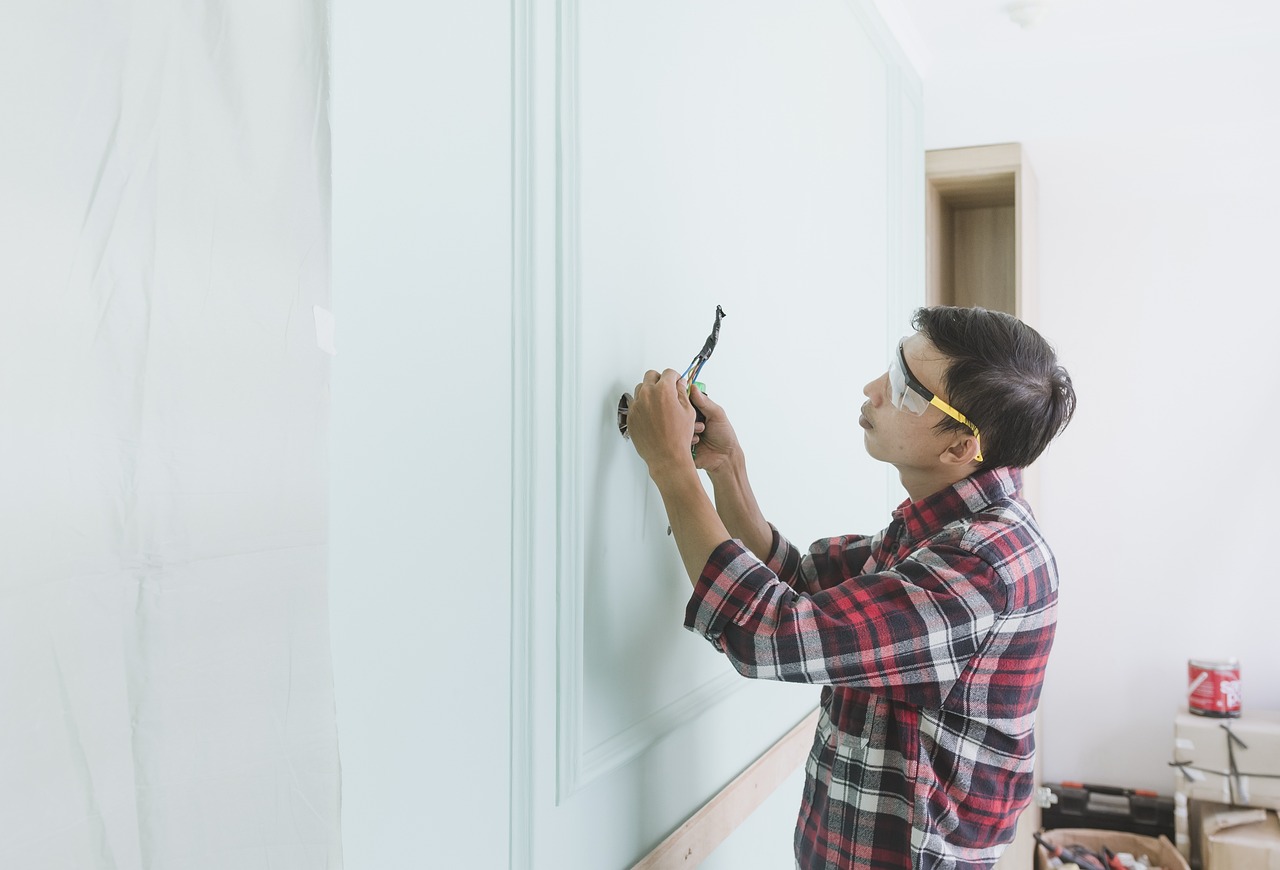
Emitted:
<point x="1001" y="520"/>
<point x="1007" y="537"/>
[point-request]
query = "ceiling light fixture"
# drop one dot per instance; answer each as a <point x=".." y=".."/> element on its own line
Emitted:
<point x="1026" y="13"/>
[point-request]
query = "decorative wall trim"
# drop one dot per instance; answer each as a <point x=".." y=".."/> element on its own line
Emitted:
<point x="523" y="442"/>
<point x="626" y="745"/>
<point x="577" y="764"/>
<point x="569" y="480"/>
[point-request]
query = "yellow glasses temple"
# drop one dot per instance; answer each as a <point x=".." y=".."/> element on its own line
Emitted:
<point x="959" y="418"/>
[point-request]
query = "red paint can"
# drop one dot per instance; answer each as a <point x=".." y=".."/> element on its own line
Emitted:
<point x="1213" y="687"/>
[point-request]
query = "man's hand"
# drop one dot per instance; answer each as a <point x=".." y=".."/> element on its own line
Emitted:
<point x="661" y="422"/>
<point x="715" y="439"/>
<point x="720" y="455"/>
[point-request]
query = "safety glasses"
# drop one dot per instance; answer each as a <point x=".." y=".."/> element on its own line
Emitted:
<point x="908" y="394"/>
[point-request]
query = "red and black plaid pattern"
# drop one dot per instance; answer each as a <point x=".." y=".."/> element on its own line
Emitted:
<point x="930" y="639"/>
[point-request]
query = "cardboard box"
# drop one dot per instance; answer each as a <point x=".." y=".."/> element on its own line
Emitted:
<point x="1240" y="839"/>
<point x="1160" y="850"/>
<point x="1202" y="742"/>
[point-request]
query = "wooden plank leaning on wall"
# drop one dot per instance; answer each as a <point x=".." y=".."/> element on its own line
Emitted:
<point x="691" y="843"/>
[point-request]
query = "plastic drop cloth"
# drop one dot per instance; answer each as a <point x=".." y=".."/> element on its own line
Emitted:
<point x="166" y="695"/>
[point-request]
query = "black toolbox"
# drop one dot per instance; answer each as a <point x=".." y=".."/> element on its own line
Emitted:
<point x="1107" y="808"/>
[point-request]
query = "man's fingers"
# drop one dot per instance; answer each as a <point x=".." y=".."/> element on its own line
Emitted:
<point x="700" y="400"/>
<point x="672" y="379"/>
<point x="669" y="378"/>
<point x="650" y="378"/>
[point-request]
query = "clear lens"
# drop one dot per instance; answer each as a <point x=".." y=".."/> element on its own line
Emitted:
<point x="902" y="396"/>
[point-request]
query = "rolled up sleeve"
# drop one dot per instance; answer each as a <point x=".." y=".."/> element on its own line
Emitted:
<point x="906" y="633"/>
<point x="728" y="590"/>
<point x="784" y="560"/>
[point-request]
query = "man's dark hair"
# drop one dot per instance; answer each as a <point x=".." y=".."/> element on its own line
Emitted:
<point x="1004" y="377"/>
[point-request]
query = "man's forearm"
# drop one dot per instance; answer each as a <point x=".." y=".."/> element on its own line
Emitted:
<point x="697" y="528"/>
<point x="737" y="507"/>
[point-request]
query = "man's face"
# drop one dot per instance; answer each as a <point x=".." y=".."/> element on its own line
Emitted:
<point x="899" y="437"/>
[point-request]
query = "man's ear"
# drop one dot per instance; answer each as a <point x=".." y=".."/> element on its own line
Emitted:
<point x="963" y="450"/>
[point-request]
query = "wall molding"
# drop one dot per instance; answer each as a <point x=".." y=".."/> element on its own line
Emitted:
<point x="569" y="481"/>
<point x="525" y="445"/>
<point x="576" y="763"/>
<point x="544" y="458"/>
<point x="631" y="742"/>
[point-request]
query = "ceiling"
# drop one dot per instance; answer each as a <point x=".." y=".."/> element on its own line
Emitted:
<point x="981" y="31"/>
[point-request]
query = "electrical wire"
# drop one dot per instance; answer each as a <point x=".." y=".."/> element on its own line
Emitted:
<point x="708" y="347"/>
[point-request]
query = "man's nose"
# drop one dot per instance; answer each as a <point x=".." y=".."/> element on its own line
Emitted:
<point x="875" y="390"/>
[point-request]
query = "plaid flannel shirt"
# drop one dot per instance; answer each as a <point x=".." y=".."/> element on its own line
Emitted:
<point x="930" y="640"/>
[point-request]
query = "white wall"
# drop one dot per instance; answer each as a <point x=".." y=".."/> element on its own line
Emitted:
<point x="421" y="519"/>
<point x="528" y="198"/>
<point x="1158" y="223"/>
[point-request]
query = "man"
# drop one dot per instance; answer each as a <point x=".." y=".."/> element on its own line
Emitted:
<point x="931" y="637"/>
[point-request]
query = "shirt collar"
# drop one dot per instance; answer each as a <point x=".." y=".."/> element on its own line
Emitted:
<point x="925" y="517"/>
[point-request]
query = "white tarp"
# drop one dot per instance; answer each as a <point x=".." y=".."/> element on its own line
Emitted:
<point x="166" y="694"/>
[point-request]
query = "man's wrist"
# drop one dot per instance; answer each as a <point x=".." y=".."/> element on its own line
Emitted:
<point x="730" y="472"/>
<point x="671" y="470"/>
<point x="730" y="469"/>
